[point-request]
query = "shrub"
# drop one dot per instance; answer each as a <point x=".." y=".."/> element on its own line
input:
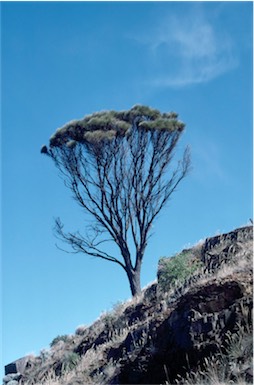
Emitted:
<point x="109" y="319"/>
<point x="69" y="361"/>
<point x="176" y="269"/>
<point x="63" y="338"/>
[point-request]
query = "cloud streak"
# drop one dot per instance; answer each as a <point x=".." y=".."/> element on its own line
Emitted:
<point x="188" y="49"/>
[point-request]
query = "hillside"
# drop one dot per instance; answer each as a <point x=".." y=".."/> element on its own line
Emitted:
<point x="192" y="326"/>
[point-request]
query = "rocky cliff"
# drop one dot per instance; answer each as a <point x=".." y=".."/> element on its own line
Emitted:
<point x="171" y="332"/>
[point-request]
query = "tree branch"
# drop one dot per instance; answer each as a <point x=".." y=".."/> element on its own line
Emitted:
<point x="80" y="244"/>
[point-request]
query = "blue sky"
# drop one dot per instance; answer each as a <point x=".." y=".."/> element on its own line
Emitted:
<point x="63" y="60"/>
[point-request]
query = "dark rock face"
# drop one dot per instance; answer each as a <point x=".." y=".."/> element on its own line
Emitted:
<point x="15" y="370"/>
<point x="11" y="368"/>
<point x="240" y="235"/>
<point x="195" y="329"/>
<point x="18" y="366"/>
<point x="223" y="248"/>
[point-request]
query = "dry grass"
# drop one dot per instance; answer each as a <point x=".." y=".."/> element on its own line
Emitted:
<point x="116" y="327"/>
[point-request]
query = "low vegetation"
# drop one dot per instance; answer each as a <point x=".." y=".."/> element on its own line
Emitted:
<point x="63" y="338"/>
<point x="222" y="368"/>
<point x="175" y="270"/>
<point x="198" y="316"/>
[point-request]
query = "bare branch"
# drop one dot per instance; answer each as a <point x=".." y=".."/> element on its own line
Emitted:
<point x="80" y="244"/>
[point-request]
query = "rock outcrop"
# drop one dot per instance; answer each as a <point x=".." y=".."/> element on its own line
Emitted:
<point x="163" y="335"/>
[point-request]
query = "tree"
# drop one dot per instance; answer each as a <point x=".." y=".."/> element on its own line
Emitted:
<point x="116" y="165"/>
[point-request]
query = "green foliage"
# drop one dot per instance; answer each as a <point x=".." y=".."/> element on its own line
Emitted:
<point x="63" y="338"/>
<point x="176" y="269"/>
<point x="106" y="125"/>
<point x="142" y="111"/>
<point x="69" y="361"/>
<point x="163" y="124"/>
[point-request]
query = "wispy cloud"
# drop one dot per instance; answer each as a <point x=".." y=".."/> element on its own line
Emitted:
<point x="188" y="49"/>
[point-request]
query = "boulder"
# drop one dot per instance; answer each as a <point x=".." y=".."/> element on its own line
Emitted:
<point x="19" y="366"/>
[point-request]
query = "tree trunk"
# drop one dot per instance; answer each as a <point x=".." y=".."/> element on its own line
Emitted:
<point x="134" y="281"/>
